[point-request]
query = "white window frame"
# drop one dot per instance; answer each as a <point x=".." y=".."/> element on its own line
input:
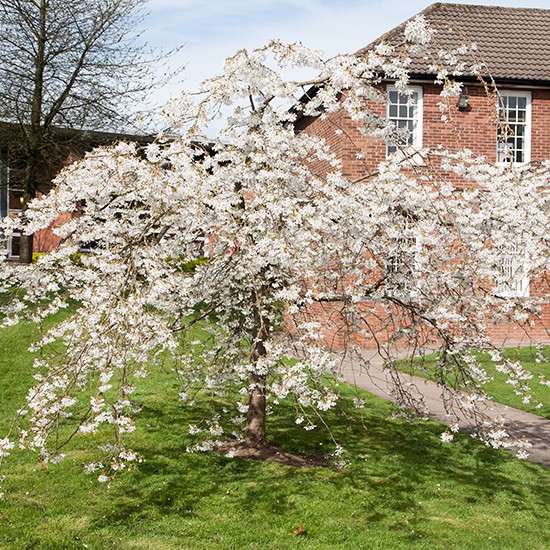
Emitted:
<point x="401" y="265"/>
<point x="527" y="136"/>
<point x="9" y="246"/>
<point x="513" y="280"/>
<point x="418" y="129"/>
<point x="7" y="243"/>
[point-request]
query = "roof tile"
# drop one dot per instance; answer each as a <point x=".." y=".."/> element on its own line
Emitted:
<point x="514" y="43"/>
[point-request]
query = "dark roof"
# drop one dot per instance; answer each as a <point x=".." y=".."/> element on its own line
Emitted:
<point x="11" y="132"/>
<point x="60" y="145"/>
<point x="514" y="43"/>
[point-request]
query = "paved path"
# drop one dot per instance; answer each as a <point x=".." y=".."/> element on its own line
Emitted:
<point x="518" y="423"/>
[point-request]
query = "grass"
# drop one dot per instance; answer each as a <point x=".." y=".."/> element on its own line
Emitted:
<point x="402" y="487"/>
<point x="498" y="388"/>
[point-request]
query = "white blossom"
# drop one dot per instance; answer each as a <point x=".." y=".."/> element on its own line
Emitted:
<point x="246" y="240"/>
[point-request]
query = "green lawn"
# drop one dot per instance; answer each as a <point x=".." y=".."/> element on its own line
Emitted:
<point x="402" y="487"/>
<point x="498" y="389"/>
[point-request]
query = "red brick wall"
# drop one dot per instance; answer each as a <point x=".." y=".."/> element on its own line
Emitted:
<point x="540" y="136"/>
<point x="475" y="129"/>
<point x="378" y="323"/>
<point x="46" y="240"/>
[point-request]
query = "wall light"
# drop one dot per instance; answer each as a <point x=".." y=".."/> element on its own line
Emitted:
<point x="463" y="102"/>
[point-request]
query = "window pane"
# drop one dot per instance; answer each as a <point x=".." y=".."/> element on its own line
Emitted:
<point x="15" y="199"/>
<point x="512" y="278"/>
<point x="519" y="156"/>
<point x="15" y="245"/>
<point x="3" y="202"/>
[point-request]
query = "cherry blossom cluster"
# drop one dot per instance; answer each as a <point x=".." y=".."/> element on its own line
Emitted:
<point x="223" y="257"/>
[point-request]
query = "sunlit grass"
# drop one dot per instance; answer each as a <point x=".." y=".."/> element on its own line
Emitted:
<point x="498" y="388"/>
<point x="401" y="488"/>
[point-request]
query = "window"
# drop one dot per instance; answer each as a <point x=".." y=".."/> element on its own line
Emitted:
<point x="14" y="206"/>
<point x="15" y="201"/>
<point x="13" y="246"/>
<point x="402" y="259"/>
<point x="514" y="127"/>
<point x="3" y="202"/>
<point x="405" y="111"/>
<point x="11" y="204"/>
<point x="512" y="277"/>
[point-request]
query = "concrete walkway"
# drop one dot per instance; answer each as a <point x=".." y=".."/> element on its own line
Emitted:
<point x="518" y="423"/>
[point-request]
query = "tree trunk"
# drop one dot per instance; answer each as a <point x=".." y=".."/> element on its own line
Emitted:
<point x="35" y="134"/>
<point x="255" y="425"/>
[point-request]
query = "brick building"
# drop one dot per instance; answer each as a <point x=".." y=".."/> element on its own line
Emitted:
<point x="66" y="146"/>
<point x="513" y="46"/>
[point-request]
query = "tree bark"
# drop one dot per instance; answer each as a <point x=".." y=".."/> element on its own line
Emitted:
<point x="256" y="416"/>
<point x="35" y="132"/>
<point x="255" y="426"/>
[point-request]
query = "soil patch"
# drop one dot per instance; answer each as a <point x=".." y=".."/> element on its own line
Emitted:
<point x="272" y="453"/>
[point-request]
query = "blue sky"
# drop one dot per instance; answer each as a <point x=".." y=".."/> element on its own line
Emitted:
<point x="212" y="30"/>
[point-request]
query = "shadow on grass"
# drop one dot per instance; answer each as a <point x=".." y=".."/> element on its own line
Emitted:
<point x="391" y="462"/>
<point x="392" y="479"/>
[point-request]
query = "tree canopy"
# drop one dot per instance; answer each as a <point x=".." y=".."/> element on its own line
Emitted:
<point x="241" y="237"/>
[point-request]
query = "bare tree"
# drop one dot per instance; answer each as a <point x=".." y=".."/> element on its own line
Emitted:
<point x="75" y="65"/>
